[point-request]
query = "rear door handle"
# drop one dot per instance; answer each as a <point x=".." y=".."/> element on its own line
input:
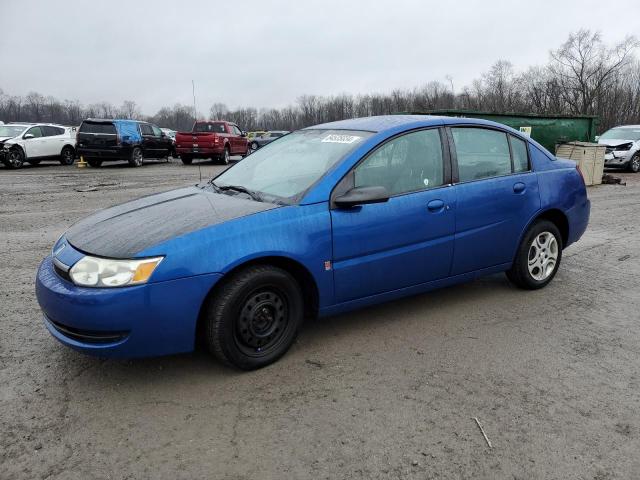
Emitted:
<point x="435" y="205"/>
<point x="519" y="187"/>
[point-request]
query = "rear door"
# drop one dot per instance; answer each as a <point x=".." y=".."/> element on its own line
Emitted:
<point x="53" y="140"/>
<point x="409" y="239"/>
<point x="496" y="192"/>
<point x="34" y="146"/>
<point x="163" y="142"/>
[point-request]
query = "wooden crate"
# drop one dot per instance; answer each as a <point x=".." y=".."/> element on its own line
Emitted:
<point x="589" y="156"/>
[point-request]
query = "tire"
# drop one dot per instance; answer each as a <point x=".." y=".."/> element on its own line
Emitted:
<point x="634" y="163"/>
<point x="226" y="155"/>
<point x="186" y="160"/>
<point x="94" y="162"/>
<point x="137" y="158"/>
<point x="543" y="241"/>
<point x="253" y="318"/>
<point x="67" y="156"/>
<point x="254" y="146"/>
<point x="14" y="158"/>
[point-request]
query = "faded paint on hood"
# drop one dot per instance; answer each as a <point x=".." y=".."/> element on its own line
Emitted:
<point x="125" y="230"/>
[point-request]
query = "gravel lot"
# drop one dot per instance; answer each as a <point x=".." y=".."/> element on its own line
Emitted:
<point x="386" y="392"/>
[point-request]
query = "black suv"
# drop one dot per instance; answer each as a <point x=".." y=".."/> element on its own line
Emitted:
<point x="102" y="140"/>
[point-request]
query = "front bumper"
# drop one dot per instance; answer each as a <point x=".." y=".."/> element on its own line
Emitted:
<point x="619" y="159"/>
<point x="140" y="321"/>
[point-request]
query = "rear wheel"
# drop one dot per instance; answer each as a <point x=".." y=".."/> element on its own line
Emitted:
<point x="14" y="158"/>
<point x="186" y="159"/>
<point x="634" y="164"/>
<point x="67" y="156"/>
<point x="538" y="256"/>
<point x="253" y="318"/>
<point x="226" y="155"/>
<point x="136" y="157"/>
<point x="94" y="162"/>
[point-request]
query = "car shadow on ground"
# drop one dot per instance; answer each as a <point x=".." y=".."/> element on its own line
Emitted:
<point x="426" y="307"/>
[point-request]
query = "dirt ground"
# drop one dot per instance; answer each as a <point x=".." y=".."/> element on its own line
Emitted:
<point x="387" y="392"/>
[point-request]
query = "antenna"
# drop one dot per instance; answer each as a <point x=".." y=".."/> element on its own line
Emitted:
<point x="193" y="91"/>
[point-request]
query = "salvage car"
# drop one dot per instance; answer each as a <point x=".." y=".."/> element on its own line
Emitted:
<point x="623" y="147"/>
<point x="328" y="219"/>
<point x="101" y="140"/>
<point x="217" y="140"/>
<point x="36" y="142"/>
<point x="266" y="138"/>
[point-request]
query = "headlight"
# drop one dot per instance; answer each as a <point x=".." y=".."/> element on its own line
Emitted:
<point x="104" y="272"/>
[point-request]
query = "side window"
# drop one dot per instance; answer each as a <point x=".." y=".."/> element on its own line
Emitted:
<point x="237" y="130"/>
<point x="146" y="129"/>
<point x="156" y="131"/>
<point x="405" y="164"/>
<point x="35" y="131"/>
<point x="481" y="153"/>
<point x="51" y="131"/>
<point x="519" y="153"/>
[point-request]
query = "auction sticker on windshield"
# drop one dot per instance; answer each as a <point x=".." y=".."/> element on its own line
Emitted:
<point x="334" y="138"/>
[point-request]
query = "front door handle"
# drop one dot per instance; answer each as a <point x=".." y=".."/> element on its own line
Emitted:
<point x="435" y="206"/>
<point x="519" y="187"/>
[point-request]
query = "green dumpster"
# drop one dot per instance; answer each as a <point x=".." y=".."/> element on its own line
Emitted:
<point x="547" y="130"/>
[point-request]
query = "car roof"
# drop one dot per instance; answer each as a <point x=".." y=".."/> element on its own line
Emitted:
<point x="111" y="120"/>
<point x="625" y="126"/>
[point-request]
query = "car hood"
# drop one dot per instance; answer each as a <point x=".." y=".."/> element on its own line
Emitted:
<point x="614" y="142"/>
<point x="125" y="230"/>
<point x="4" y="139"/>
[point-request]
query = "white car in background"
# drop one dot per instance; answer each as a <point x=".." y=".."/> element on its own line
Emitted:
<point x="623" y="147"/>
<point x="35" y="142"/>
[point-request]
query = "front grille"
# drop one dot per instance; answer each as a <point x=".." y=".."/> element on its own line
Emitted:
<point x="88" y="336"/>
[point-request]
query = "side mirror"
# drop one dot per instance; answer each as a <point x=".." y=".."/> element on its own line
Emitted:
<point x="163" y="135"/>
<point x="243" y="134"/>
<point x="27" y="136"/>
<point x="362" y="196"/>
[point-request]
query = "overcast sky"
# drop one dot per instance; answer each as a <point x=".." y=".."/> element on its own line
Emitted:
<point x="267" y="53"/>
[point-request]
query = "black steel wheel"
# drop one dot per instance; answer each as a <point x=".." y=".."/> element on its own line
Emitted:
<point x="67" y="156"/>
<point x="252" y="319"/>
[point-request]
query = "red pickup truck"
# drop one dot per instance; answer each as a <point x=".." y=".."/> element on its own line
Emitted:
<point x="217" y="140"/>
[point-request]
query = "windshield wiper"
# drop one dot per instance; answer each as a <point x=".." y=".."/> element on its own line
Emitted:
<point x="239" y="188"/>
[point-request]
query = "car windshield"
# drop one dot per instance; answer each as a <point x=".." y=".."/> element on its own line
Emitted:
<point x="622" y="133"/>
<point x="285" y="169"/>
<point x="11" y="130"/>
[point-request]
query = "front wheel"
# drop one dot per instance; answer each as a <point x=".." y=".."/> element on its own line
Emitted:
<point x="94" y="162"/>
<point x="538" y="256"/>
<point x="14" y="158"/>
<point x="254" y="145"/>
<point x="136" y="157"/>
<point x="67" y="156"/>
<point x="186" y="160"/>
<point x="253" y="318"/>
<point x="634" y="164"/>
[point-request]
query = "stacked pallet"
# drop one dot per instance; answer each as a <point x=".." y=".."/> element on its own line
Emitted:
<point x="589" y="156"/>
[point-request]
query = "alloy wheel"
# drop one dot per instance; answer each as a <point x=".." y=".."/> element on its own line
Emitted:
<point x="543" y="256"/>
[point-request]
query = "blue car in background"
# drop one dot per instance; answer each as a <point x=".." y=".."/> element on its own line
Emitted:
<point x="325" y="220"/>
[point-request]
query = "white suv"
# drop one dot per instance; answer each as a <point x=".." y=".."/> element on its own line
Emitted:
<point x="34" y="142"/>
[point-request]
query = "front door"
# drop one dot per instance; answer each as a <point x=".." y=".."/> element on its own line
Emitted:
<point x="497" y="195"/>
<point x="409" y="239"/>
<point x="34" y="146"/>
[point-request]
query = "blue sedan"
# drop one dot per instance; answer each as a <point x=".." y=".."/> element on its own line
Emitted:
<point x="327" y="219"/>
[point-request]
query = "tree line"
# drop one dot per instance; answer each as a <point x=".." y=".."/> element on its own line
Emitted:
<point x="584" y="76"/>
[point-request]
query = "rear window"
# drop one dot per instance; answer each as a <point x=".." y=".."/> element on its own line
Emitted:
<point x="52" y="131"/>
<point x="94" y="127"/>
<point x="214" y="127"/>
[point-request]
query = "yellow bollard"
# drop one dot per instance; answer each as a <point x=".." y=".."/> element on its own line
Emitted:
<point x="82" y="163"/>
